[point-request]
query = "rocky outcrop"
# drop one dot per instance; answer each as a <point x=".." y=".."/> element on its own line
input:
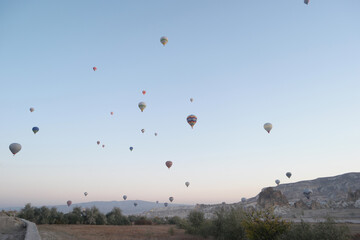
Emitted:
<point x="353" y="196"/>
<point x="270" y="198"/>
<point x="11" y="228"/>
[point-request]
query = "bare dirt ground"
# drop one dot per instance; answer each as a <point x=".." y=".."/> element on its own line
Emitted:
<point x="93" y="232"/>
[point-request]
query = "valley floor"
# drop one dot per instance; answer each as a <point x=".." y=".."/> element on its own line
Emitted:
<point x="93" y="232"/>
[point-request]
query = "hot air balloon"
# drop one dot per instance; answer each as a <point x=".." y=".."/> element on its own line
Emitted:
<point x="277" y="181"/>
<point x="142" y="106"/>
<point x="157" y="202"/>
<point x="124" y="197"/>
<point x="35" y="129"/>
<point x="98" y="142"/>
<point x="164" y="40"/>
<point x="112" y="113"/>
<point x="187" y="184"/>
<point x="288" y="174"/>
<point x="103" y="145"/>
<point x="15" y="148"/>
<point x="243" y="200"/>
<point x="268" y="127"/>
<point x="155" y="134"/>
<point x="85" y="193"/>
<point x="307" y="192"/>
<point x="191" y="119"/>
<point x="135" y="204"/>
<point x="171" y="199"/>
<point x="69" y="203"/>
<point x="166" y="204"/>
<point x="32" y="109"/>
<point x="168" y="164"/>
<point x="143" y="92"/>
<point x="94" y="68"/>
<point x="191" y="99"/>
<point x="306" y="2"/>
<point x="142" y="130"/>
<point x="131" y="148"/>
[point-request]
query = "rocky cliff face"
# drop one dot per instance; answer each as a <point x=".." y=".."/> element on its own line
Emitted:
<point x="324" y="189"/>
<point x="270" y="197"/>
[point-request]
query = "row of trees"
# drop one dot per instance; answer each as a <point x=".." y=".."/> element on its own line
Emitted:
<point x="93" y="216"/>
<point x="238" y="224"/>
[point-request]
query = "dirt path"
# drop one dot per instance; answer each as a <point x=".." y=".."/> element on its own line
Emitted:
<point x="92" y="232"/>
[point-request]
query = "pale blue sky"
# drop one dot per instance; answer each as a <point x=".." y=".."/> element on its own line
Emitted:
<point x="245" y="63"/>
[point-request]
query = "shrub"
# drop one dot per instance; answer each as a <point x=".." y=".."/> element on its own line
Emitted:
<point x="143" y="221"/>
<point x="264" y="225"/>
<point x="115" y="217"/>
<point x="318" y="231"/>
<point x="228" y="224"/>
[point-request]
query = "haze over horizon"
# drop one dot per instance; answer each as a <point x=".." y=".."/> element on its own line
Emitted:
<point x="244" y="63"/>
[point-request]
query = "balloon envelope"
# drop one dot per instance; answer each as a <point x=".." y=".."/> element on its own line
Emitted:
<point x="32" y="109"/>
<point x="306" y="2"/>
<point x="35" y="129"/>
<point x="131" y="148"/>
<point x="164" y="40"/>
<point x="142" y="106"/>
<point x="15" y="148"/>
<point x="142" y="130"/>
<point x="98" y="142"/>
<point x="243" y="199"/>
<point x="69" y="203"/>
<point x="103" y="145"/>
<point x="268" y="127"/>
<point x="191" y="119"/>
<point x="187" y="184"/>
<point x="191" y="99"/>
<point x="277" y="181"/>
<point x="288" y="174"/>
<point x="171" y="199"/>
<point x="124" y="197"/>
<point x="135" y="204"/>
<point x="166" y="204"/>
<point x="94" y="68"/>
<point x="143" y="92"/>
<point x="155" y="134"/>
<point x="168" y="164"/>
<point x="85" y="193"/>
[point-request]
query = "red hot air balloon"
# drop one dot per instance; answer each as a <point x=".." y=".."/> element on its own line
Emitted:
<point x="143" y="92"/>
<point x="69" y="203"/>
<point x="168" y="164"/>
<point x="103" y="145"/>
<point x="94" y="68"/>
<point x="112" y="113"/>
<point x="98" y="142"/>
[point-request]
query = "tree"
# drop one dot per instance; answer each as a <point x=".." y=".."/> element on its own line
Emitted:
<point x="264" y="225"/>
<point x="115" y="217"/>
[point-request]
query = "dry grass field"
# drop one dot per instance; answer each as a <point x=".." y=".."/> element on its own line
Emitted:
<point x="93" y="232"/>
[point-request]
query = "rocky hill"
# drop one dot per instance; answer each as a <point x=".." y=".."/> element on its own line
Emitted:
<point x="337" y="196"/>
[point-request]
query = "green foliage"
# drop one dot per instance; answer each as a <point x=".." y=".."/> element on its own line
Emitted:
<point x="196" y="224"/>
<point x="227" y="225"/>
<point x="143" y="221"/>
<point x="317" y="231"/>
<point x="264" y="225"/>
<point x="174" y="220"/>
<point x="115" y="217"/>
<point x="27" y="213"/>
